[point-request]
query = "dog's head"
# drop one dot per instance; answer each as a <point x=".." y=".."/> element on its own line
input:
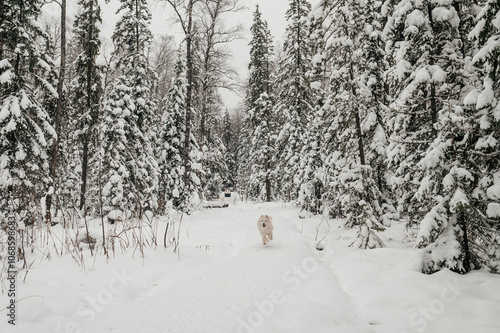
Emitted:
<point x="265" y="220"/>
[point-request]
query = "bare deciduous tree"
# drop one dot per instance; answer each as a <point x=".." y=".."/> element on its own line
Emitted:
<point x="214" y="56"/>
<point x="162" y="57"/>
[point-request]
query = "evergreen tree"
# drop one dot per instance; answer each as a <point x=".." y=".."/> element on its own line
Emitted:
<point x="260" y="101"/>
<point x="311" y="172"/>
<point x="354" y="125"/>
<point x="25" y="127"/>
<point x="170" y="142"/>
<point x="129" y="167"/>
<point x="312" y="165"/>
<point x="461" y="229"/>
<point x="86" y="88"/>
<point x="214" y="167"/>
<point x="294" y="99"/>
<point x="262" y="151"/>
<point x="261" y="51"/>
<point x="486" y="228"/>
<point x="422" y="58"/>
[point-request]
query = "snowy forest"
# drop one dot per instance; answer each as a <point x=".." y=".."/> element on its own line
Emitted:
<point x="375" y="112"/>
<point x="378" y="117"/>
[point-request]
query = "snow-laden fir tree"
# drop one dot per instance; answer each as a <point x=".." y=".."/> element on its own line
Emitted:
<point x="261" y="116"/>
<point x="86" y="91"/>
<point x="128" y="165"/>
<point x="354" y="127"/>
<point x="486" y="34"/>
<point x="461" y="180"/>
<point x="311" y="171"/>
<point x="260" y="66"/>
<point x="293" y="97"/>
<point x="170" y="143"/>
<point x="25" y="127"/>
<point x="262" y="151"/>
<point x="214" y="167"/>
<point x="420" y="39"/>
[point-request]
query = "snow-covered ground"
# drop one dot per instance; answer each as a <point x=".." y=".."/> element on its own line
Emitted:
<point x="225" y="280"/>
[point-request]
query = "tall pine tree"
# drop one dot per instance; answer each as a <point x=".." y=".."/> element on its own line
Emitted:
<point x="170" y="143"/>
<point x="86" y="88"/>
<point x="422" y="58"/>
<point x="294" y="98"/>
<point x="25" y="127"/>
<point x="129" y="168"/>
<point x="461" y="230"/>
<point x="354" y="120"/>
<point x="260" y="101"/>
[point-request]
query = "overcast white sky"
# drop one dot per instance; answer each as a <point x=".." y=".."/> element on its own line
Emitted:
<point x="272" y="10"/>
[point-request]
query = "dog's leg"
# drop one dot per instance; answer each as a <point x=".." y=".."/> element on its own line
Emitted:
<point x="271" y="236"/>
<point x="263" y="240"/>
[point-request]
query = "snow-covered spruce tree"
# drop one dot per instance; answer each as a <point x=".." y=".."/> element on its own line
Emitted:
<point x="129" y="168"/>
<point x="260" y="101"/>
<point x="353" y="115"/>
<point x="293" y="97"/>
<point x="86" y="92"/>
<point x="421" y="57"/>
<point x="262" y="151"/>
<point x="170" y="143"/>
<point x="462" y="229"/>
<point x="25" y="126"/>
<point x="374" y="123"/>
<point x="261" y="51"/>
<point x="311" y="171"/>
<point x="486" y="229"/>
<point x="214" y="167"/>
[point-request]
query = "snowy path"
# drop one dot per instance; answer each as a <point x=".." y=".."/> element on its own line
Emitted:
<point x="223" y="296"/>
<point x="227" y="281"/>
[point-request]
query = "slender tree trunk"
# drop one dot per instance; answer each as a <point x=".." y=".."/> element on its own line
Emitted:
<point x="434" y="111"/>
<point x="204" y="111"/>
<point x="137" y="26"/>
<point x="360" y="138"/>
<point x="205" y="82"/>
<point x="302" y="113"/>
<point x="268" y="180"/>
<point x="463" y="225"/>
<point x="21" y="21"/>
<point x="58" y="114"/>
<point x="2" y="18"/>
<point x="358" y="121"/>
<point x="189" y="91"/>
<point x="87" y="135"/>
<point x="83" y="188"/>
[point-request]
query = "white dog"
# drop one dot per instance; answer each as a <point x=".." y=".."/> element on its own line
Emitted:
<point x="265" y="228"/>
